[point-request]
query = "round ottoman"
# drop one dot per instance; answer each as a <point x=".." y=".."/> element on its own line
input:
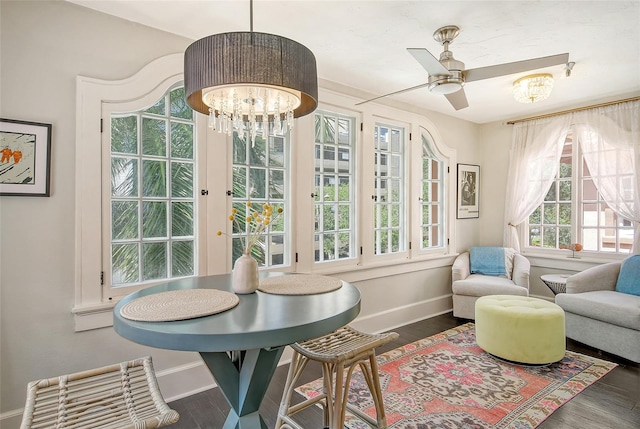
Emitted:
<point x="520" y="329"/>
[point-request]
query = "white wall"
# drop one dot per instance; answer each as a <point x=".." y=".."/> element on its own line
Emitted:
<point x="44" y="46"/>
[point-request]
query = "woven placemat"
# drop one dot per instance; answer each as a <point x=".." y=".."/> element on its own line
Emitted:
<point x="179" y="305"/>
<point x="299" y="284"/>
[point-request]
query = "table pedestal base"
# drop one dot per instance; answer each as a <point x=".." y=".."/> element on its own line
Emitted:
<point x="243" y="382"/>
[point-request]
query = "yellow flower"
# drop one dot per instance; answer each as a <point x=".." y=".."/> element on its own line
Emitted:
<point x="257" y="224"/>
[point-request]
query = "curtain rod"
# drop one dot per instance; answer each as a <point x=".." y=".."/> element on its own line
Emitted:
<point x="578" y="109"/>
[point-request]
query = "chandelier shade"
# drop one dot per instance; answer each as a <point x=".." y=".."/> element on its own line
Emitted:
<point x="532" y="88"/>
<point x="246" y="77"/>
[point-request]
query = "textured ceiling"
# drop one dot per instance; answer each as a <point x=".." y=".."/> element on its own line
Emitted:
<point x="362" y="44"/>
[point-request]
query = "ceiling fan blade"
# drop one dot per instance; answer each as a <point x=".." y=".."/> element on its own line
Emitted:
<point x="394" y="93"/>
<point x="515" y="67"/>
<point x="429" y="62"/>
<point x="458" y="99"/>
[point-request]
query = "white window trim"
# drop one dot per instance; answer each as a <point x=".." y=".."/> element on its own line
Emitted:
<point x="91" y="310"/>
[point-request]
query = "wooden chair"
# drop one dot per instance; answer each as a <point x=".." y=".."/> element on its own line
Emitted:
<point x="342" y="349"/>
<point x="124" y="395"/>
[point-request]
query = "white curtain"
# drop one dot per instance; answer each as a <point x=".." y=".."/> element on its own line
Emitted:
<point x="610" y="140"/>
<point x="533" y="164"/>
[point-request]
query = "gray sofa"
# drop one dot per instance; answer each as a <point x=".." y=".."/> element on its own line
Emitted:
<point x="597" y="315"/>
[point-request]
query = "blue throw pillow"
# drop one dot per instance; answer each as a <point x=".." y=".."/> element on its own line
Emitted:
<point x="629" y="277"/>
<point x="488" y="260"/>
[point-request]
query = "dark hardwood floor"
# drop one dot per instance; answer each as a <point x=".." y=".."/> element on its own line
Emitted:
<point x="613" y="402"/>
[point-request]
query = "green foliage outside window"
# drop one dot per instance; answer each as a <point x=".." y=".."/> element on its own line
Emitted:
<point x="152" y="192"/>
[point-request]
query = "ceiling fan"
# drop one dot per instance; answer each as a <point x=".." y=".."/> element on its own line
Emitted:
<point x="447" y="75"/>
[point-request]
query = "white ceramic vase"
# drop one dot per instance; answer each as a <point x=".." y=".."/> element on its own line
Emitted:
<point x="245" y="275"/>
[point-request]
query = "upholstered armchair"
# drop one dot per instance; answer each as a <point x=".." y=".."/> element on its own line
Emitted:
<point x="469" y="283"/>
<point x="602" y="307"/>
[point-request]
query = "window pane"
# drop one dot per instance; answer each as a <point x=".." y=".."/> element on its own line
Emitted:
<point x="589" y="191"/>
<point x="124" y="177"/>
<point x="534" y="236"/>
<point x="182" y="258"/>
<point x="343" y="245"/>
<point x="124" y="220"/>
<point x="158" y="108"/>
<point x="344" y="216"/>
<point x="549" y="214"/>
<point x="276" y="184"/>
<point x="124" y="134"/>
<point x="154" y="219"/>
<point x="124" y="263"/>
<point x="182" y="180"/>
<point x="565" y="190"/>
<point x="182" y="219"/>
<point x="258" y="183"/>
<point x="329" y="218"/>
<point x="154" y="178"/>
<point x="551" y="195"/>
<point x="179" y="106"/>
<point x="549" y="237"/>
<point x="154" y="257"/>
<point x="182" y="140"/>
<point x="535" y="216"/>
<point x="564" y="238"/>
<point x="239" y="182"/>
<point x="565" y="214"/>
<point x="276" y="151"/>
<point x="154" y="137"/>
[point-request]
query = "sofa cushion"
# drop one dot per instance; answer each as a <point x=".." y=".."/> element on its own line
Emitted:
<point x="491" y="261"/>
<point x="480" y="285"/>
<point x="629" y="277"/>
<point x="604" y="305"/>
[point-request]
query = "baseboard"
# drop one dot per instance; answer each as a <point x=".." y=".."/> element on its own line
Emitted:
<point x="186" y="380"/>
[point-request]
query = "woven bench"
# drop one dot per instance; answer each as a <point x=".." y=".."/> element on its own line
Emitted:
<point x="120" y="396"/>
<point x="343" y="348"/>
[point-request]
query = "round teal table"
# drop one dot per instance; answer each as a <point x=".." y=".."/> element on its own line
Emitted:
<point x="242" y="346"/>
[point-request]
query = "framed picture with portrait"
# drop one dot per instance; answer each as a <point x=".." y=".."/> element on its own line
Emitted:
<point x="25" y="158"/>
<point x="468" y="191"/>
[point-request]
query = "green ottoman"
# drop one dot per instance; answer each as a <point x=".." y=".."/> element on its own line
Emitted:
<point x="520" y="329"/>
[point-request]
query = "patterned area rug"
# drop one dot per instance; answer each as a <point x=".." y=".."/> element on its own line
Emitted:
<point x="447" y="381"/>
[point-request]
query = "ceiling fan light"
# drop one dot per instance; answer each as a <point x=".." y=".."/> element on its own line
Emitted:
<point x="532" y="88"/>
<point x="444" y="85"/>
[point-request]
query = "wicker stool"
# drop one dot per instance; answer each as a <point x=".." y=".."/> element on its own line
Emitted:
<point x="343" y="348"/>
<point x="123" y="396"/>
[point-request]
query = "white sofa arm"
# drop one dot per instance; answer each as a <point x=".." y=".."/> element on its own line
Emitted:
<point x="460" y="269"/>
<point x="600" y="277"/>
<point x="521" y="271"/>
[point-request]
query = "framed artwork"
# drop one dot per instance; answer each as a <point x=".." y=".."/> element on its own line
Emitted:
<point x="468" y="191"/>
<point x="25" y="158"/>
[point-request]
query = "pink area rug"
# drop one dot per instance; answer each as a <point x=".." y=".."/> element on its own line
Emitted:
<point x="447" y="381"/>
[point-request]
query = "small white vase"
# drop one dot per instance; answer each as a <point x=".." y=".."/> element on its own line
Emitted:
<point x="245" y="275"/>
